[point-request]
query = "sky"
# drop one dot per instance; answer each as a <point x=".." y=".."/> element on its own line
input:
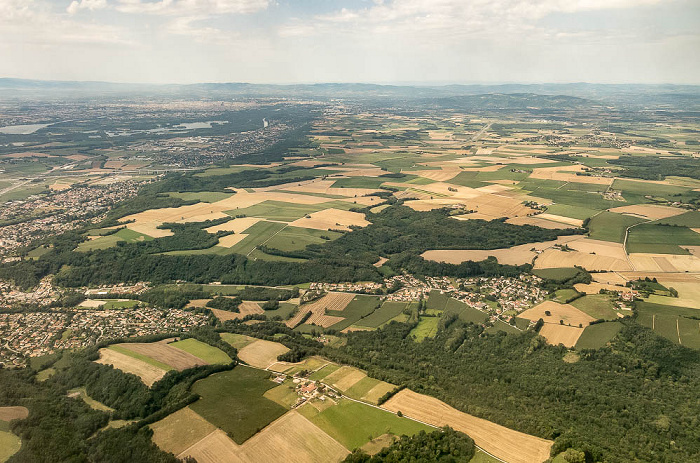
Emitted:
<point x="373" y="41"/>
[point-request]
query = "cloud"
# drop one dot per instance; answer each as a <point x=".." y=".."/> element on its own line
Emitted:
<point x="92" y="5"/>
<point x="192" y="7"/>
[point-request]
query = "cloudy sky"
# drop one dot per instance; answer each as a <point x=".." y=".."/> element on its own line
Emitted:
<point x="389" y="41"/>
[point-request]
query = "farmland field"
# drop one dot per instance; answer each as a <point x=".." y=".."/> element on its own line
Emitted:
<point x="426" y="328"/>
<point x="354" y="424"/>
<point x="160" y="354"/>
<point x="209" y="354"/>
<point x="677" y="324"/>
<point x="177" y="432"/>
<point x="598" y="306"/>
<point x="9" y="443"/>
<point x="261" y="353"/>
<point x="148" y="373"/>
<point x="234" y="401"/>
<point x="238" y="341"/>
<point x="661" y="239"/>
<point x="507" y="444"/>
<point x="598" y="335"/>
<point x="383" y="314"/>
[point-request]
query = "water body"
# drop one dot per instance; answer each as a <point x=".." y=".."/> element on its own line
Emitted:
<point x="172" y="128"/>
<point x="25" y="129"/>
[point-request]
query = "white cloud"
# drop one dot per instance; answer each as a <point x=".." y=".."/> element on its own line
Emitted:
<point x="92" y="5"/>
<point x="192" y="7"/>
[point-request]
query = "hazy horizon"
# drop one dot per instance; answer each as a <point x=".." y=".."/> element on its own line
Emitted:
<point x="406" y="42"/>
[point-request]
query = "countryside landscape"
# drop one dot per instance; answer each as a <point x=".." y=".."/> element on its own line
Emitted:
<point x="349" y="231"/>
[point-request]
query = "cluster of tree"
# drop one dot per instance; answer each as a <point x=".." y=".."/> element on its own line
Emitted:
<point x="257" y="293"/>
<point x="656" y="167"/>
<point x="229" y="304"/>
<point x="521" y="382"/>
<point x="445" y="446"/>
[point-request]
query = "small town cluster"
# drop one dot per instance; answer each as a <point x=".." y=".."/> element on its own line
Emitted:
<point x="32" y="334"/>
<point x="40" y="216"/>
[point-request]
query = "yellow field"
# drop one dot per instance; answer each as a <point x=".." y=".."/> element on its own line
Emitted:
<point x="561" y="334"/>
<point x="290" y="438"/>
<point x="553" y="258"/>
<point x="516" y="255"/>
<point x="600" y="248"/>
<point x="231" y="240"/>
<point x="664" y="263"/>
<point x="13" y="413"/>
<point x="567" y="312"/>
<point x="261" y="353"/>
<point x="331" y="219"/>
<point x="344" y="378"/>
<point x="149" y="374"/>
<point x="649" y="211"/>
<point x="238" y="225"/>
<point x="177" y="432"/>
<point x="507" y="444"/>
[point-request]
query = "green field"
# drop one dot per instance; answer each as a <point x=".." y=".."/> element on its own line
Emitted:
<point x="598" y="335"/>
<point x="361" y="182"/>
<point x="427" y="328"/>
<point x="383" y="314"/>
<point x="296" y="238"/>
<point x="575" y="212"/>
<point x="115" y="304"/>
<point x="94" y="404"/>
<point x="257" y="234"/>
<point x="360" y="307"/>
<point x="239" y="341"/>
<point x="104" y="242"/>
<point x="9" y="443"/>
<point x="284" y="394"/>
<point x="284" y="312"/>
<point x="564" y="295"/>
<point x="234" y="401"/>
<point x="318" y="375"/>
<point x="500" y="325"/>
<point x="204" y="351"/>
<point x="678" y="324"/>
<point x="608" y="226"/>
<point x="662" y="239"/>
<point x="436" y="300"/>
<point x="598" y="306"/>
<point x="361" y="388"/>
<point x="354" y="424"/>
<point x="688" y="219"/>
<point x="142" y="357"/>
<point x="287" y="212"/>
<point x="203" y="196"/>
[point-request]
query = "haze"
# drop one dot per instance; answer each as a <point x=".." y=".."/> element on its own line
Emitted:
<point x="400" y="41"/>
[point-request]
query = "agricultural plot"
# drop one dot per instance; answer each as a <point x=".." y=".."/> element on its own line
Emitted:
<point x="331" y="219"/>
<point x="561" y="334"/>
<point x="295" y="238"/>
<point x="9" y="443"/>
<point x="427" y="328"/>
<point x="261" y="353"/>
<point x="208" y="353"/>
<point x="677" y="324"/>
<point x="13" y="413"/>
<point x="359" y="307"/>
<point x="104" y="242"/>
<point x="464" y="312"/>
<point x="598" y="306"/>
<point x="239" y="341"/>
<point x="331" y="302"/>
<point x="290" y="437"/>
<point x="661" y="239"/>
<point x="507" y="444"/>
<point x="383" y="314"/>
<point x="234" y="401"/>
<point x="567" y="313"/>
<point x="148" y="373"/>
<point x="598" y="335"/>
<point x="177" y="432"/>
<point x="608" y="226"/>
<point x="354" y="424"/>
<point x="161" y="354"/>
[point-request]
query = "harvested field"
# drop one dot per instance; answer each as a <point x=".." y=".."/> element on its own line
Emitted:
<point x="165" y="353"/>
<point x="92" y="303"/>
<point x="567" y="312"/>
<point x="291" y="437"/>
<point x="13" y="413"/>
<point x="553" y="258"/>
<point x="610" y="278"/>
<point x="238" y="225"/>
<point x="561" y="334"/>
<point x="670" y="263"/>
<point x="149" y="374"/>
<point x="318" y="308"/>
<point x="261" y="353"/>
<point x="334" y="219"/>
<point x="507" y="444"/>
<point x="560" y="218"/>
<point x="344" y="378"/>
<point x="599" y="248"/>
<point x="516" y="255"/>
<point x="239" y="341"/>
<point x="231" y="240"/>
<point x="594" y="288"/>
<point x="198" y="303"/>
<point x="177" y="432"/>
<point x="651" y="212"/>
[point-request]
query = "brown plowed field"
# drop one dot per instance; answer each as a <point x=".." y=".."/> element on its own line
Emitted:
<point x="13" y="413"/>
<point x="331" y="301"/>
<point x="507" y="444"/>
<point x="176" y="358"/>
